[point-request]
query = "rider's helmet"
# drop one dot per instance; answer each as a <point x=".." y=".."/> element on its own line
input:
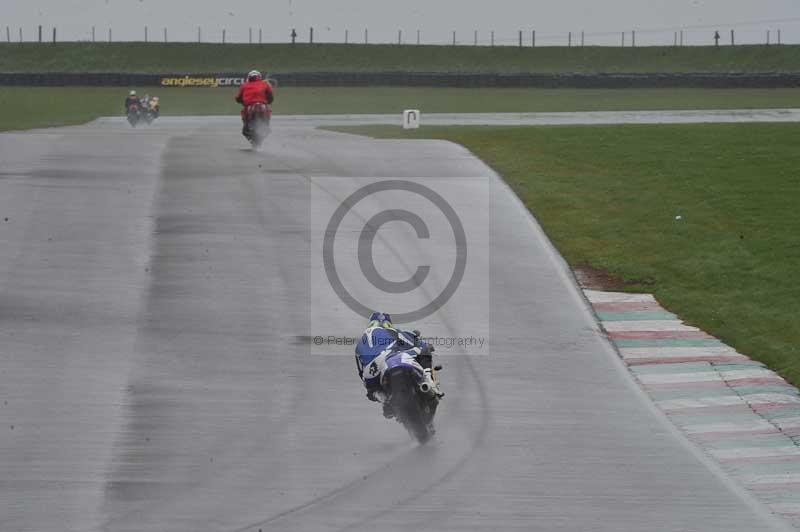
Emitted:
<point x="133" y="93"/>
<point x="254" y="75"/>
<point x="380" y="319"/>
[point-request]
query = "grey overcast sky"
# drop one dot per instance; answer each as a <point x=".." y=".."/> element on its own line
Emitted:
<point x="602" y="20"/>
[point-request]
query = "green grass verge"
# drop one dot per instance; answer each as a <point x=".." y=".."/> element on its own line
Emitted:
<point x="608" y="198"/>
<point x="187" y="57"/>
<point x="26" y="107"/>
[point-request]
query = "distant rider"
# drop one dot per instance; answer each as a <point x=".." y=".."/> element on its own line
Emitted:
<point x="131" y="100"/>
<point x="254" y="90"/>
<point x="381" y="336"/>
<point x="155" y="107"/>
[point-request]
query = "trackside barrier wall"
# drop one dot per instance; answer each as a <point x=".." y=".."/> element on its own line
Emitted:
<point x="412" y="79"/>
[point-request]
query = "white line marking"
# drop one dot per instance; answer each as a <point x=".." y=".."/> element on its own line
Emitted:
<point x="756" y="480"/>
<point x="755" y="452"/>
<point x="700" y="402"/>
<point x="760" y="398"/>
<point x="756" y="423"/>
<point x="755" y="373"/>
<point x="673" y="378"/>
<point x="647" y="326"/>
<point x="676" y="352"/>
<point x="617" y="297"/>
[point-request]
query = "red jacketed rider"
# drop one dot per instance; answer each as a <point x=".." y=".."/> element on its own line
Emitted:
<point x="254" y="90"/>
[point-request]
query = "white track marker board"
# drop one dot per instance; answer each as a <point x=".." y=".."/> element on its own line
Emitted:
<point x="411" y="119"/>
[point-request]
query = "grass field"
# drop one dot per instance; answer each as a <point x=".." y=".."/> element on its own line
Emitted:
<point x="191" y="57"/>
<point x="608" y="197"/>
<point x="26" y="107"/>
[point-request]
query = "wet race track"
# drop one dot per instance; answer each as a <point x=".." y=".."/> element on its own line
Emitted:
<point x="162" y="292"/>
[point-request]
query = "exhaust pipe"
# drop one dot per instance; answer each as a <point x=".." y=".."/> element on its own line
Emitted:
<point x="425" y="387"/>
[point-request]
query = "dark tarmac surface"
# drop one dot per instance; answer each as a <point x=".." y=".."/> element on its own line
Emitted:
<point x="159" y="290"/>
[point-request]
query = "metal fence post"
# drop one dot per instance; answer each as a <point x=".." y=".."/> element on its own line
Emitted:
<point x="109" y="34"/>
<point x="476" y="37"/>
<point x="418" y="41"/>
<point x="492" y="37"/>
<point x="633" y="38"/>
<point x="767" y="37"/>
<point x="569" y="40"/>
<point x="779" y="36"/>
<point x="366" y="36"/>
<point x="165" y="35"/>
<point x="311" y="36"/>
<point x="145" y="34"/>
<point x="399" y="36"/>
<point x="454" y="38"/>
<point x="223" y="36"/>
<point x="54" y="34"/>
<point x="199" y="35"/>
<point x="732" y="41"/>
<point x="346" y="36"/>
<point x="533" y="39"/>
<point x="623" y="39"/>
<point x="520" y="38"/>
<point x="581" y="38"/>
<point x="40" y="33"/>
<point x="249" y="35"/>
<point x="8" y="33"/>
<point x="681" y="37"/>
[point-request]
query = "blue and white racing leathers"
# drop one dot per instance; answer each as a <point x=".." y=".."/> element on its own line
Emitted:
<point x="376" y="341"/>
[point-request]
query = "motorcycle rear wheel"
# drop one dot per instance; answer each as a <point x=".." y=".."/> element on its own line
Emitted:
<point x="411" y="407"/>
<point x="259" y="129"/>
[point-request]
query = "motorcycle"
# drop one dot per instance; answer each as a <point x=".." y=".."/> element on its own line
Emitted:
<point x="134" y="114"/>
<point x="409" y="394"/>
<point x="148" y="116"/>
<point x="257" y="116"/>
<point x="150" y="109"/>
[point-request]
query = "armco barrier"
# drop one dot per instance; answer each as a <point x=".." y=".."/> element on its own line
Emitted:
<point x="414" y="79"/>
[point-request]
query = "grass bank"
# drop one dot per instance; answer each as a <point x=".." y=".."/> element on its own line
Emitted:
<point x="608" y="197"/>
<point x="26" y="107"/>
<point x="188" y="57"/>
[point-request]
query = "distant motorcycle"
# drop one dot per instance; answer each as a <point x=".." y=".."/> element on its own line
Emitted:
<point x="412" y="399"/>
<point x="134" y="114"/>
<point x="258" y="116"/>
<point x="150" y="109"/>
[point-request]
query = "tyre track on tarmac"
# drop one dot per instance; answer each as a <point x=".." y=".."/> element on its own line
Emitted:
<point x="401" y="461"/>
